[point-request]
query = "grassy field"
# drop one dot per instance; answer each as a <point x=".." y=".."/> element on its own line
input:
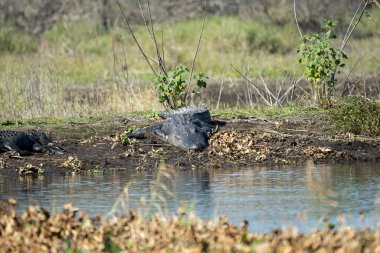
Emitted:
<point x="78" y="69"/>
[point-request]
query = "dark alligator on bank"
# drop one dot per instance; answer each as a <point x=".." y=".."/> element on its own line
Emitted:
<point x="26" y="143"/>
<point x="187" y="128"/>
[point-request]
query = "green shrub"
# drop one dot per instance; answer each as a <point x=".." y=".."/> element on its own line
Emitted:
<point x="320" y="60"/>
<point x="171" y="88"/>
<point x="356" y="115"/>
<point x="12" y="41"/>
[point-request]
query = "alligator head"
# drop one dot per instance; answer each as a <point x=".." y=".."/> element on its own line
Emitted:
<point x="41" y="141"/>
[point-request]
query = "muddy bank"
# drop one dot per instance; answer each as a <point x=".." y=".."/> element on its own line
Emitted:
<point x="95" y="146"/>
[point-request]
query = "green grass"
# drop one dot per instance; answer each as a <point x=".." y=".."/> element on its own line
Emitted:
<point x="15" y="42"/>
<point x="356" y="115"/>
<point x="37" y="74"/>
<point x="86" y="55"/>
<point x="274" y="112"/>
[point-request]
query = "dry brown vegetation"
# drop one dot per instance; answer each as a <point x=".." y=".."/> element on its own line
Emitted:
<point x="38" y="230"/>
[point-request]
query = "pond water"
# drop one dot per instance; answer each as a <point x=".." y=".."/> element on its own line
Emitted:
<point x="268" y="198"/>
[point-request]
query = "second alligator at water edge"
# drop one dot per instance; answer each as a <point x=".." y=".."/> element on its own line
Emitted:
<point x="26" y="143"/>
<point x="187" y="128"/>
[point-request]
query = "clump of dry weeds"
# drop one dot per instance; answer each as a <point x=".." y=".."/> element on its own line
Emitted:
<point x="38" y="230"/>
<point x="266" y="145"/>
<point x="73" y="163"/>
<point x="237" y="144"/>
<point x="29" y="168"/>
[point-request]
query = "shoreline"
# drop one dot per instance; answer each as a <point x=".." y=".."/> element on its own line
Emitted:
<point x="95" y="146"/>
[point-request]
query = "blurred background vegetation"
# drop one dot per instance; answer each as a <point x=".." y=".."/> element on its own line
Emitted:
<point x="67" y="57"/>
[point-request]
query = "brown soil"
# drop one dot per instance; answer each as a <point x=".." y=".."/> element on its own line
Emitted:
<point x="94" y="146"/>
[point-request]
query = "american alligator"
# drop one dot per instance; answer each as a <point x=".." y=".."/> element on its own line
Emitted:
<point x="26" y="143"/>
<point x="186" y="128"/>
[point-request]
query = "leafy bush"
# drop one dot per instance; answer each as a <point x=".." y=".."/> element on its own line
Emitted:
<point x="12" y="41"/>
<point x="171" y="88"/>
<point x="320" y="61"/>
<point x="357" y="115"/>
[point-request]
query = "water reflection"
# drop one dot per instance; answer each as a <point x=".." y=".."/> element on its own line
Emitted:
<point x="267" y="197"/>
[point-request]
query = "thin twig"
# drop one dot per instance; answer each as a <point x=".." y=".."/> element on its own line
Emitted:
<point x="135" y="39"/>
<point x="269" y="93"/>
<point x="258" y="90"/>
<point x="282" y="84"/>
<point x="288" y="90"/>
<point x="247" y="79"/>
<point x="354" y="26"/>
<point x="351" y="22"/>
<point x="161" y="64"/>
<point x="126" y="76"/>
<point x="162" y="44"/>
<point x="220" y="92"/>
<point x="149" y="32"/>
<point x="114" y="57"/>
<point x="196" y="53"/>
<point x="345" y="89"/>
<point x="349" y="32"/>
<point x="295" y="17"/>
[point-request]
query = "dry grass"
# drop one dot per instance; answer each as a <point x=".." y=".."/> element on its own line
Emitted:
<point x="41" y="90"/>
<point x="38" y="230"/>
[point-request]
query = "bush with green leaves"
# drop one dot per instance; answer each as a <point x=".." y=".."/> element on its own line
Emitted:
<point x="356" y="115"/>
<point x="16" y="42"/>
<point x="172" y="87"/>
<point x="320" y="61"/>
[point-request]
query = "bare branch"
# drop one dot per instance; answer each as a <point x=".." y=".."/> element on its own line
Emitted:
<point x="288" y="90"/>
<point x="295" y="17"/>
<point x="162" y="44"/>
<point x="349" y="32"/>
<point x="151" y="35"/>
<point x="135" y="39"/>
<point x="351" y="22"/>
<point x="267" y="91"/>
<point x="161" y="63"/>
<point x="196" y="53"/>
<point x="126" y="76"/>
<point x="258" y="90"/>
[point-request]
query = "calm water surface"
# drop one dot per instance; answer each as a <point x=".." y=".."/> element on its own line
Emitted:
<point x="267" y="197"/>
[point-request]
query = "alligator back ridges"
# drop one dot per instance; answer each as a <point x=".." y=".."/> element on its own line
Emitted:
<point x="199" y="112"/>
